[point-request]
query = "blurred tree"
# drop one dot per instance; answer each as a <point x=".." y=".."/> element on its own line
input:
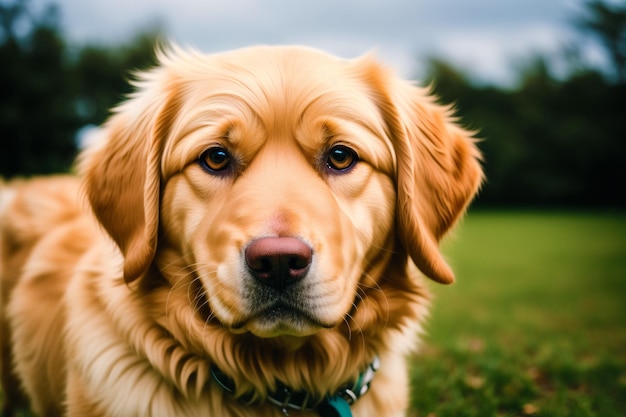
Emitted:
<point x="547" y="142"/>
<point x="607" y="22"/>
<point x="49" y="90"/>
<point x="37" y="122"/>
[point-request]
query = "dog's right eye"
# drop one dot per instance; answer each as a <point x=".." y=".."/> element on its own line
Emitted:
<point x="215" y="160"/>
<point x="341" y="159"/>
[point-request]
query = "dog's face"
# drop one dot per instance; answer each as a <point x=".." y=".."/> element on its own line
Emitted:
<point x="276" y="193"/>
<point x="278" y="181"/>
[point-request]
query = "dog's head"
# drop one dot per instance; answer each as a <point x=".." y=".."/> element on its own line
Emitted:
<point x="279" y="179"/>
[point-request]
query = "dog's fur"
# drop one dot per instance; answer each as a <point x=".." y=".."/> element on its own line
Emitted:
<point x="117" y="304"/>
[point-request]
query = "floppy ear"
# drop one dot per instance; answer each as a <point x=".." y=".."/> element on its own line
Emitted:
<point x="438" y="171"/>
<point x="123" y="179"/>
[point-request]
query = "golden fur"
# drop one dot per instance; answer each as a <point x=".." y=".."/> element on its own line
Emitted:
<point x="117" y="304"/>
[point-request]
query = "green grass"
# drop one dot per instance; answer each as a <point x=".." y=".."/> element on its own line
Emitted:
<point x="536" y="323"/>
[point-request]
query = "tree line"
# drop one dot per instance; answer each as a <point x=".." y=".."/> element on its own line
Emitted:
<point x="550" y="141"/>
<point x="49" y="89"/>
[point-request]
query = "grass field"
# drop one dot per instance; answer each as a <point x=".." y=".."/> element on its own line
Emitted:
<point x="536" y="323"/>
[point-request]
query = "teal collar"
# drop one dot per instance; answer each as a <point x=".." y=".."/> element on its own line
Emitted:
<point x="335" y="405"/>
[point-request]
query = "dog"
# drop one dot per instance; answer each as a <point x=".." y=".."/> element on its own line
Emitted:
<point x="248" y="238"/>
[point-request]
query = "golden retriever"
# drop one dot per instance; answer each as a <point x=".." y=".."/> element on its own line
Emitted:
<point x="249" y="244"/>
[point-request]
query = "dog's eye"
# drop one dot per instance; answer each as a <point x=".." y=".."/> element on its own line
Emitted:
<point x="341" y="158"/>
<point x="215" y="159"/>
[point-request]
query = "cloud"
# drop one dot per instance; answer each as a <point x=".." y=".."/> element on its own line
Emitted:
<point x="480" y="35"/>
<point x="491" y="54"/>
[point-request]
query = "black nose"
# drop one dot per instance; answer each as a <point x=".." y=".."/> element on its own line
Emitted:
<point x="278" y="262"/>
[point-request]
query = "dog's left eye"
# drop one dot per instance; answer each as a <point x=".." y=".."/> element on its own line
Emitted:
<point x="341" y="158"/>
<point x="215" y="160"/>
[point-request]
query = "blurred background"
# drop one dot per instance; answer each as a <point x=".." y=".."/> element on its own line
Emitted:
<point x="536" y="323"/>
<point x="543" y="82"/>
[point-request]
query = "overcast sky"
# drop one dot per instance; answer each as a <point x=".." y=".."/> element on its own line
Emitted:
<point x="485" y="37"/>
